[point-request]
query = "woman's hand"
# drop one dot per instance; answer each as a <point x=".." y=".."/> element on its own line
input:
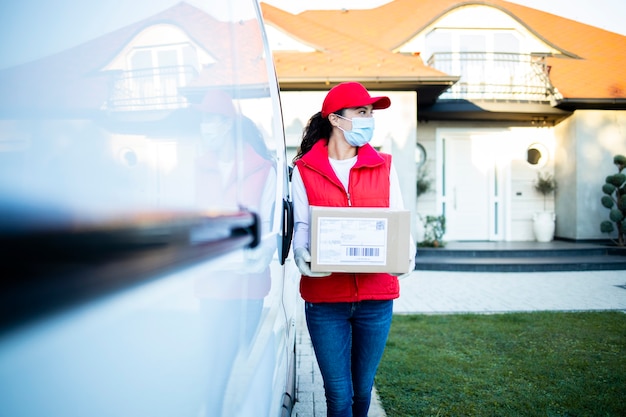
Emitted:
<point x="303" y="260"/>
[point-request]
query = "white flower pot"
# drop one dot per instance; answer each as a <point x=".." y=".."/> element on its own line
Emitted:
<point x="544" y="225"/>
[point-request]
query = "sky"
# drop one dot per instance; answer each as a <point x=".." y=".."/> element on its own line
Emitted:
<point x="30" y="29"/>
<point x="605" y="14"/>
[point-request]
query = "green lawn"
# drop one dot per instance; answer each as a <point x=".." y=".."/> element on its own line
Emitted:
<point x="511" y="365"/>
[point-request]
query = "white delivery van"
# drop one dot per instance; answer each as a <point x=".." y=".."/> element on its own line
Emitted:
<point x="144" y="212"/>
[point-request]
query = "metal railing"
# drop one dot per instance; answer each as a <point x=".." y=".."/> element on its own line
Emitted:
<point x="495" y="76"/>
<point x="151" y="88"/>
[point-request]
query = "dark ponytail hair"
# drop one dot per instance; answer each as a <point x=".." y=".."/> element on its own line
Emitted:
<point x="317" y="128"/>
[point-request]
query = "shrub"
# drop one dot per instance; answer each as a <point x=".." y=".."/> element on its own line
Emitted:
<point x="614" y="199"/>
<point x="434" y="229"/>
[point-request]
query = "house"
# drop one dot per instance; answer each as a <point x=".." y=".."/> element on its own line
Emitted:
<point x="485" y="96"/>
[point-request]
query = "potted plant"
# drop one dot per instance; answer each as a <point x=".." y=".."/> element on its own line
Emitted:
<point x="434" y="229"/>
<point x="544" y="221"/>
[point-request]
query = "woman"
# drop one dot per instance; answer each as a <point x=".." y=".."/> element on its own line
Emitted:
<point x="348" y="314"/>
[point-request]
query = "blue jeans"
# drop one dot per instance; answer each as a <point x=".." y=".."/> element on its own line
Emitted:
<point x="348" y="340"/>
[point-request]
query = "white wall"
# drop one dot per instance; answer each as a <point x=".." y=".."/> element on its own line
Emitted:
<point x="586" y="144"/>
<point x="517" y="175"/>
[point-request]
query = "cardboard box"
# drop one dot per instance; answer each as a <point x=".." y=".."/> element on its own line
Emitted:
<point x="355" y="239"/>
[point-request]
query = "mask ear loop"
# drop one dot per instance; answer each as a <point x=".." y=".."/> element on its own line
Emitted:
<point x="335" y="123"/>
<point x="344" y="118"/>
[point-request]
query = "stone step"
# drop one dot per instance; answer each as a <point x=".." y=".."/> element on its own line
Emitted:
<point x="520" y="257"/>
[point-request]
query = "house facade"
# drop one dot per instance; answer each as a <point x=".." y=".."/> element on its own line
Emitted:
<point x="485" y="97"/>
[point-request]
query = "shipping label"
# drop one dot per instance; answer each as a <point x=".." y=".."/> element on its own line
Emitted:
<point x="356" y="241"/>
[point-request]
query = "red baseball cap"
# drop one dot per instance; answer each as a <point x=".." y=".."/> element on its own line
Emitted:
<point x="351" y="94"/>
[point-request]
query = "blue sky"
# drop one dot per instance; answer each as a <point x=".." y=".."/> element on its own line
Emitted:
<point x="606" y="14"/>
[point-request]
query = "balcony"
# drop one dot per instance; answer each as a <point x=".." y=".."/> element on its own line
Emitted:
<point x="495" y="76"/>
<point x="151" y="88"/>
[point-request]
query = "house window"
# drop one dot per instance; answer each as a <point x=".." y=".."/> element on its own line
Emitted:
<point x="506" y="42"/>
<point x="420" y="155"/>
<point x="492" y="64"/>
<point x="472" y="40"/>
<point x="156" y="73"/>
<point x="537" y="155"/>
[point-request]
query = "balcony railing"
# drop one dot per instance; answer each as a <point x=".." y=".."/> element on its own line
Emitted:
<point x="495" y="76"/>
<point x="151" y="88"/>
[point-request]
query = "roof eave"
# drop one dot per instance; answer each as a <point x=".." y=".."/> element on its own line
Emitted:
<point x="490" y="110"/>
<point x="428" y="88"/>
<point x="571" y="104"/>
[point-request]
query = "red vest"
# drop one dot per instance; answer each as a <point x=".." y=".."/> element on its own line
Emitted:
<point x="368" y="187"/>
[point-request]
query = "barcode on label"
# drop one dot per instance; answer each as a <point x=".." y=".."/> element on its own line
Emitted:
<point x="362" y="251"/>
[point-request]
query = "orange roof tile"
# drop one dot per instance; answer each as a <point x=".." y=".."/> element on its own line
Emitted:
<point x="340" y="56"/>
<point x="591" y="67"/>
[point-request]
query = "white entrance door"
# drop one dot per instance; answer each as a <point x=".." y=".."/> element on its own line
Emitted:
<point x="469" y="195"/>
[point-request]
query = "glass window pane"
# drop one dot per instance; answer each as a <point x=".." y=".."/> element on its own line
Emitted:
<point x="472" y="42"/>
<point x="506" y="43"/>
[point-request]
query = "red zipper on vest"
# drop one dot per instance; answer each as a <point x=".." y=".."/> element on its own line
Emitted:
<point x="349" y="201"/>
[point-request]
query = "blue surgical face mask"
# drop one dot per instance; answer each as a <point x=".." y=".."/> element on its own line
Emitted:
<point x="362" y="130"/>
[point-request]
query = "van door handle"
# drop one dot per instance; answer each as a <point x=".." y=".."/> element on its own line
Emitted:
<point x="287" y="232"/>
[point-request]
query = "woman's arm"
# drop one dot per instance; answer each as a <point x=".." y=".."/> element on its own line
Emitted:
<point x="300" y="211"/>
